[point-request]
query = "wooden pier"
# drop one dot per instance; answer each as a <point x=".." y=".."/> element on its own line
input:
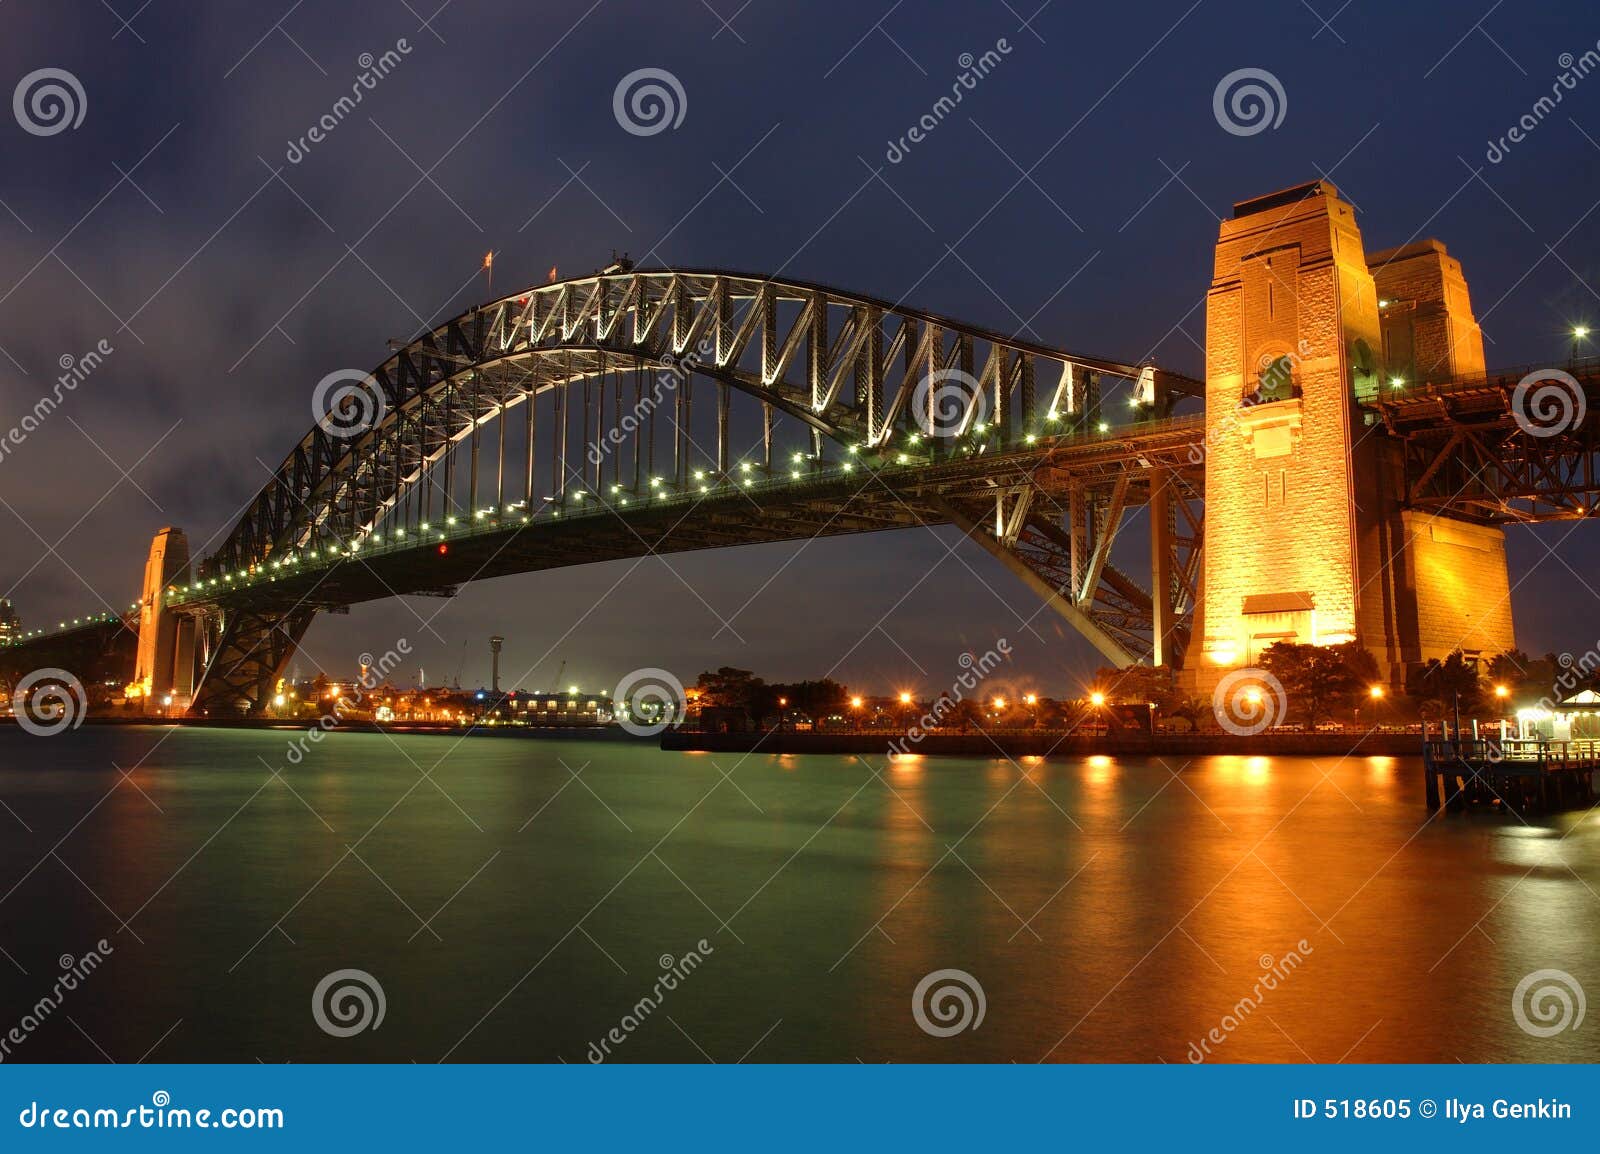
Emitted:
<point x="1514" y="774"/>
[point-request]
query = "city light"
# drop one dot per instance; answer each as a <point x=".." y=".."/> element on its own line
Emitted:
<point x="999" y="703"/>
<point x="855" y="703"/>
<point x="1501" y="691"/>
<point x="905" y="699"/>
<point x="1031" y="699"/>
<point x="1097" y="699"/>
<point x="1376" y="692"/>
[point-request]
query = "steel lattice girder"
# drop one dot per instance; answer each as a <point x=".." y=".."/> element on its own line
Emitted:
<point x="252" y="653"/>
<point x="1467" y="453"/>
<point x="844" y="364"/>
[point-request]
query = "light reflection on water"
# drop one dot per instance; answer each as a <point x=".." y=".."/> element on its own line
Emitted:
<point x="1111" y="908"/>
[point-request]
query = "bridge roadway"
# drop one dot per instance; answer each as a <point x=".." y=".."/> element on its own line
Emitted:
<point x="842" y="497"/>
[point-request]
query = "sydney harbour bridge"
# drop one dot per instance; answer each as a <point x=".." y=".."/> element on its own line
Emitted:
<point x="1342" y="473"/>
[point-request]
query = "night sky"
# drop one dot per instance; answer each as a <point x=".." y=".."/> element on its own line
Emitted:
<point x="1072" y="198"/>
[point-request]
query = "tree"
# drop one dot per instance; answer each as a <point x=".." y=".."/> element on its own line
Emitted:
<point x="817" y="698"/>
<point x="1319" y="680"/>
<point x="728" y="688"/>
<point x="1436" y="685"/>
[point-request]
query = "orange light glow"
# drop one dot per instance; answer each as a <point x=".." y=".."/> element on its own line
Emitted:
<point x="1031" y="699"/>
<point x="1376" y="693"/>
<point x="1097" y="698"/>
<point x="855" y="703"/>
<point x="905" y="699"/>
<point x="999" y="703"/>
<point x="1501" y="691"/>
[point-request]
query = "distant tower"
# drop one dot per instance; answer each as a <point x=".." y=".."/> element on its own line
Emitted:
<point x="165" y="663"/>
<point x="10" y="623"/>
<point x="494" y="650"/>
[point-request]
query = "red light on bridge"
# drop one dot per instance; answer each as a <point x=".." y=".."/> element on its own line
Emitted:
<point x="443" y="549"/>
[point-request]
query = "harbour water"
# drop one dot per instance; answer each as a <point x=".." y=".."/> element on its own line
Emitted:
<point x="525" y="900"/>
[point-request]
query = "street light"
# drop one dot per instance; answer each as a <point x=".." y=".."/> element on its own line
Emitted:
<point x="1376" y="693"/>
<point x="905" y="699"/>
<point x="1579" y="332"/>
<point x="1097" y="699"/>
<point x="1502" y="692"/>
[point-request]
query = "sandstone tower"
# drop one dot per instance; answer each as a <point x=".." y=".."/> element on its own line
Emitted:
<point x="165" y="664"/>
<point x="1306" y="536"/>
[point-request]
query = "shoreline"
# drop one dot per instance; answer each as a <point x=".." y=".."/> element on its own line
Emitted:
<point x="972" y="744"/>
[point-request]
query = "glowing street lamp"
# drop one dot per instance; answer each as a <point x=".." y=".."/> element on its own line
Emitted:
<point x="1097" y="699"/>
<point x="1579" y="333"/>
<point x="1502" y="692"/>
<point x="905" y="699"/>
<point x="855" y="703"/>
